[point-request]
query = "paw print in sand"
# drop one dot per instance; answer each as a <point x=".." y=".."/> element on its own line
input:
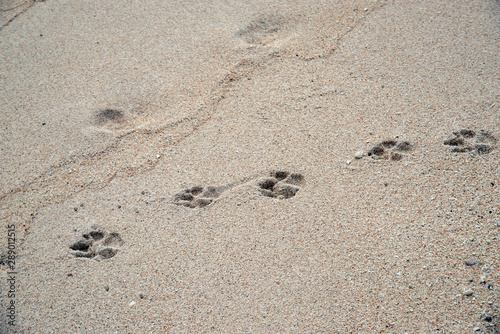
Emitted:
<point x="467" y="140"/>
<point x="97" y="244"/>
<point x="197" y="197"/>
<point x="390" y="149"/>
<point x="281" y="184"/>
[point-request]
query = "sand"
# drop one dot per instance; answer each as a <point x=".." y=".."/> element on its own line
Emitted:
<point x="188" y="168"/>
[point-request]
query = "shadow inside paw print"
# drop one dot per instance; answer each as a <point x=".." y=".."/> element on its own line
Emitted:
<point x="467" y="140"/>
<point x="281" y="184"/>
<point x="197" y="197"/>
<point x="390" y="149"/>
<point x="97" y="244"/>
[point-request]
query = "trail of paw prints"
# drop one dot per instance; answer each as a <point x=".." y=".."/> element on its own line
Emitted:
<point x="389" y="149"/>
<point x="198" y="197"/>
<point x="97" y="244"/>
<point x="281" y="184"/>
<point x="278" y="184"/>
<point x="467" y="140"/>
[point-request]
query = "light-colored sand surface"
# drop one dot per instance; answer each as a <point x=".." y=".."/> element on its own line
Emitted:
<point x="219" y="95"/>
<point x="10" y="9"/>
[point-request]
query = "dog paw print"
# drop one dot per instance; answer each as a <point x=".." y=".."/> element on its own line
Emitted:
<point x="467" y="140"/>
<point x="97" y="244"/>
<point x="390" y="150"/>
<point x="281" y="184"/>
<point x="197" y="197"/>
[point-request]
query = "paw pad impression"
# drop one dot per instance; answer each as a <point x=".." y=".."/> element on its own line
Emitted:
<point x="390" y="149"/>
<point x="467" y="140"/>
<point x="97" y="244"/>
<point x="281" y="184"/>
<point x="197" y="197"/>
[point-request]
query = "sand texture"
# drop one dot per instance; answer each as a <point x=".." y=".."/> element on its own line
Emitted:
<point x="251" y="167"/>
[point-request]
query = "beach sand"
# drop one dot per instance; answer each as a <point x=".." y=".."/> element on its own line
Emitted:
<point x="252" y="168"/>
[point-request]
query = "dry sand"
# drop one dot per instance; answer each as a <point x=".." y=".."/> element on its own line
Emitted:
<point x="112" y="111"/>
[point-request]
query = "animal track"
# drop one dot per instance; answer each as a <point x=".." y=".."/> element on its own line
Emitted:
<point x="113" y="119"/>
<point x="390" y="149"/>
<point x="97" y="244"/>
<point x="109" y="116"/>
<point x="122" y="115"/>
<point x="263" y="29"/>
<point x="281" y="184"/>
<point x="466" y="140"/>
<point x="198" y="197"/>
